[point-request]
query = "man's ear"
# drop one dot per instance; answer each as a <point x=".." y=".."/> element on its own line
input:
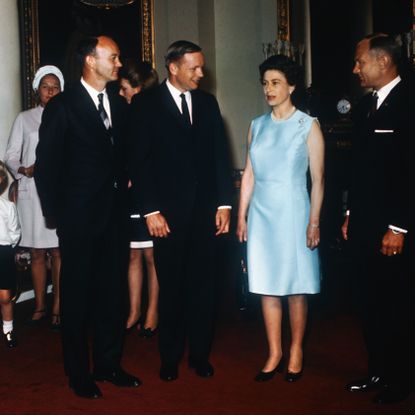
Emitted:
<point x="384" y="61"/>
<point x="90" y="61"/>
<point x="173" y="68"/>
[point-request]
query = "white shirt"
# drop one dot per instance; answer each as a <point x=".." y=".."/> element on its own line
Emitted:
<point x="175" y="93"/>
<point x="94" y="95"/>
<point x="9" y="223"/>
<point x="384" y="91"/>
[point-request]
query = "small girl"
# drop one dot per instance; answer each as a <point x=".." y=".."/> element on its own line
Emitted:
<point x="9" y="236"/>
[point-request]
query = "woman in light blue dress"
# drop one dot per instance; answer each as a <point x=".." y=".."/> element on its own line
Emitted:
<point x="282" y="230"/>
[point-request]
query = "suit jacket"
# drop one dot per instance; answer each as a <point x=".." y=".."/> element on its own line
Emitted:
<point x="80" y="175"/>
<point x="174" y="166"/>
<point x="383" y="173"/>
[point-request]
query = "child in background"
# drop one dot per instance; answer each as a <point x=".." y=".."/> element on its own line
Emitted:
<point x="9" y="236"/>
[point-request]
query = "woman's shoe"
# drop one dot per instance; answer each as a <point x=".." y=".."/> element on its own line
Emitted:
<point x="266" y="376"/>
<point x="55" y="325"/>
<point x="36" y="322"/>
<point x="148" y="332"/>
<point x="293" y="376"/>
<point x="137" y="325"/>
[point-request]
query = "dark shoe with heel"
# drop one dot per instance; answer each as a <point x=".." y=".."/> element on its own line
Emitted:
<point x="38" y="321"/>
<point x="10" y="339"/>
<point x="55" y="324"/>
<point x="148" y="332"/>
<point x="266" y="376"/>
<point x="293" y="376"/>
<point x="137" y="325"/>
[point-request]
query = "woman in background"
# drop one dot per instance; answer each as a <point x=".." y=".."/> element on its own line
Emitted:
<point x="20" y="159"/>
<point x="136" y="77"/>
<point x="283" y="227"/>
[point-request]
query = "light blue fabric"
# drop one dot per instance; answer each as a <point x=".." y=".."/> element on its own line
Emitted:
<point x="279" y="262"/>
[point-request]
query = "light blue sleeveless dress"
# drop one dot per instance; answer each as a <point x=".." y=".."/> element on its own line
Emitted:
<point x="279" y="262"/>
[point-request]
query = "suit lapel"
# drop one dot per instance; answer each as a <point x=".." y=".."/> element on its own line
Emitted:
<point x="171" y="107"/>
<point x="89" y="113"/>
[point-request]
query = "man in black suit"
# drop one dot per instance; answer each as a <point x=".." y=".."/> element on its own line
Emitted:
<point x="381" y="222"/>
<point x="80" y="174"/>
<point x="179" y="162"/>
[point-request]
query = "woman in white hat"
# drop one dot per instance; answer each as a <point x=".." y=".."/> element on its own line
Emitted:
<point x="20" y="158"/>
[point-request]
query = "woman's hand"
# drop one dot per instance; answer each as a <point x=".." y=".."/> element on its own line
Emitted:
<point x="313" y="235"/>
<point x="241" y="230"/>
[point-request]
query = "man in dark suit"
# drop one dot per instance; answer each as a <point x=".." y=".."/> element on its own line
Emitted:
<point x="80" y="174"/>
<point x="179" y="162"/>
<point x="381" y="223"/>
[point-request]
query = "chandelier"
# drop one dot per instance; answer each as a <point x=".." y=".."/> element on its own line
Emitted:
<point x="107" y="4"/>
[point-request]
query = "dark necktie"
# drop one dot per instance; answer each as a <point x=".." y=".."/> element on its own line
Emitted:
<point x="373" y="104"/>
<point x="185" y="110"/>
<point x="102" y="113"/>
<point x="104" y="116"/>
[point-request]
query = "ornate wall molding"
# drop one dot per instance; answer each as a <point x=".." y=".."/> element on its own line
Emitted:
<point x="283" y="19"/>
<point x="29" y="47"/>
<point x="147" y="32"/>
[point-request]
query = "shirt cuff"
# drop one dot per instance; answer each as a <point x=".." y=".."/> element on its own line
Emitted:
<point x="397" y="230"/>
<point x="225" y="207"/>
<point x="151" y="213"/>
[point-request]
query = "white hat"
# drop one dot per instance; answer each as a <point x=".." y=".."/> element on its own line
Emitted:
<point x="47" y="70"/>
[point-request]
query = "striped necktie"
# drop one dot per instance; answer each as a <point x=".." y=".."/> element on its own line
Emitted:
<point x="102" y="113"/>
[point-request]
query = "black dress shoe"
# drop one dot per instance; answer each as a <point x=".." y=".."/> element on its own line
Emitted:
<point x="10" y="339"/>
<point x="293" y="376"/>
<point x="202" y="367"/>
<point x="391" y="394"/>
<point x="117" y="377"/>
<point x="168" y="373"/>
<point x="365" y="384"/>
<point x="266" y="376"/>
<point x="85" y="388"/>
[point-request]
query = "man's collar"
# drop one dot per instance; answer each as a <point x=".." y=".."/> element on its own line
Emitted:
<point x="174" y="91"/>
<point x="92" y="91"/>
<point x="384" y="91"/>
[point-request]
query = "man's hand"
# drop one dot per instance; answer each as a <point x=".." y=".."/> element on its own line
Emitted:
<point x="392" y="244"/>
<point x="223" y="219"/>
<point x="157" y="225"/>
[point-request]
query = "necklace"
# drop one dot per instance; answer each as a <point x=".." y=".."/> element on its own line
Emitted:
<point x="283" y="118"/>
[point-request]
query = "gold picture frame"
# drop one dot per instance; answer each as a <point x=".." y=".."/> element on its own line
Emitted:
<point x="30" y="47"/>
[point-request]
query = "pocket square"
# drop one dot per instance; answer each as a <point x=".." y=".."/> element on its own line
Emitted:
<point x="384" y="131"/>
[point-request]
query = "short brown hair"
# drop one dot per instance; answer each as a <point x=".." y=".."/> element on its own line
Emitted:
<point x="4" y="178"/>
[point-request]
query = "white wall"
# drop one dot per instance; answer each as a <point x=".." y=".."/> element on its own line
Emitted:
<point x="10" y="102"/>
<point x="230" y="33"/>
